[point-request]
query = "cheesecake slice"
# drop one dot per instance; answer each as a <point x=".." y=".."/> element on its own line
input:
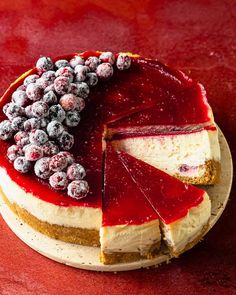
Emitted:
<point x="183" y="209"/>
<point x="130" y="226"/>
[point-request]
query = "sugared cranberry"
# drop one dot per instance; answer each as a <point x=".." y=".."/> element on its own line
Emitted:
<point x="92" y="62"/>
<point x="58" y="163"/>
<point x="6" y="131"/>
<point x="20" y="98"/>
<point x="22" y="165"/>
<point x="17" y="123"/>
<point x="104" y="71"/>
<point x="82" y="68"/>
<point x="65" y="72"/>
<point x="80" y="104"/>
<point x="72" y="119"/>
<point x="12" y="111"/>
<point x="50" y="98"/>
<point x="21" y="87"/>
<point x="44" y="122"/>
<point x="14" y="151"/>
<point x="33" y="152"/>
<point x="32" y="123"/>
<point x="22" y="138"/>
<point x="44" y="64"/>
<point x="123" y="61"/>
<point x="107" y="57"/>
<point x="62" y="85"/>
<point x="80" y="77"/>
<point x="69" y="157"/>
<point x="34" y="92"/>
<point x="28" y="111"/>
<point x="49" y="88"/>
<point x="38" y="137"/>
<point x="56" y="112"/>
<point x="78" y="189"/>
<point x="76" y="60"/>
<point x="43" y="83"/>
<point x="40" y="109"/>
<point x="66" y="141"/>
<point x="50" y="76"/>
<point x="41" y="168"/>
<point x="75" y="172"/>
<point x="74" y="89"/>
<point x="83" y="89"/>
<point x="61" y="63"/>
<point x="50" y="148"/>
<point x="69" y="102"/>
<point x="91" y="79"/>
<point x="55" y="129"/>
<point x="30" y="79"/>
<point x="58" y="181"/>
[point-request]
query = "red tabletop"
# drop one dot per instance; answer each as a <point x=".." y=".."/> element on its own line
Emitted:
<point x="198" y="37"/>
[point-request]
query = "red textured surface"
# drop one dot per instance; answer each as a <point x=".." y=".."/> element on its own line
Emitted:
<point x="197" y="37"/>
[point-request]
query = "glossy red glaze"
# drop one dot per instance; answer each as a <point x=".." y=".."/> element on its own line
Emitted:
<point x="169" y="197"/>
<point x="123" y="201"/>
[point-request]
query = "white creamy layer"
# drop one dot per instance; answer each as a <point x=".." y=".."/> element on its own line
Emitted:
<point x="182" y="232"/>
<point x="170" y="152"/>
<point x="81" y="217"/>
<point x="130" y="238"/>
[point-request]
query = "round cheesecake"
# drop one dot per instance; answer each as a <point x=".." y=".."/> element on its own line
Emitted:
<point x="156" y="115"/>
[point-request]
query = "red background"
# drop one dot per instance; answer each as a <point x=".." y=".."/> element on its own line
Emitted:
<point x="198" y="37"/>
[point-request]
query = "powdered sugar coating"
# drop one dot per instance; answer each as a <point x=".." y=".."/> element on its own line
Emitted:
<point x="41" y="168"/>
<point x="21" y="138"/>
<point x="13" y="110"/>
<point x="91" y="79"/>
<point x="76" y="60"/>
<point x="17" y="123"/>
<point x="50" y="98"/>
<point x="56" y="112"/>
<point x="38" y="137"/>
<point x="44" y="64"/>
<point x="22" y="165"/>
<point x="14" y="151"/>
<point x="61" y="85"/>
<point x="33" y="152"/>
<point x="55" y="129"/>
<point x="66" y="141"/>
<point x="72" y="119"/>
<point x="104" y="71"/>
<point x="78" y="189"/>
<point x="50" y="148"/>
<point x="83" y="89"/>
<point x="69" y="102"/>
<point x="6" y="131"/>
<point x="107" y="57"/>
<point x="58" y="181"/>
<point x="123" y="61"/>
<point x="76" y="172"/>
<point x="32" y="123"/>
<point x="20" y="98"/>
<point x="30" y="79"/>
<point x="92" y="62"/>
<point x="34" y="92"/>
<point x="58" y="163"/>
<point x="69" y="157"/>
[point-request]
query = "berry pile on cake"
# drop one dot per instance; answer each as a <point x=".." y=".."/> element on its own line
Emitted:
<point x="123" y="118"/>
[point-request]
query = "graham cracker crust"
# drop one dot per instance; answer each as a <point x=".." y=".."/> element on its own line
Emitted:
<point x="85" y="237"/>
<point x="210" y="176"/>
<point x="125" y="257"/>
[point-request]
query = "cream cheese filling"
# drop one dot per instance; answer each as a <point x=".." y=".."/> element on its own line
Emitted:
<point x="81" y="217"/>
<point x="130" y="238"/>
<point x="170" y="152"/>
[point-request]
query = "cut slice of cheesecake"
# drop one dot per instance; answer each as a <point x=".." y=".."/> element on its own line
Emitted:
<point x="130" y="227"/>
<point x="183" y="209"/>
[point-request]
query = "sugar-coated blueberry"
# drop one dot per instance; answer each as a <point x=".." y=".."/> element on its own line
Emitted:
<point x="50" y="148"/>
<point x="123" y="61"/>
<point x="76" y="172"/>
<point x="31" y="79"/>
<point x="21" y="138"/>
<point x="69" y="102"/>
<point x="6" y="131"/>
<point x="44" y="64"/>
<point x="38" y="137"/>
<point x="40" y="109"/>
<point x="65" y="141"/>
<point x="78" y="189"/>
<point x="20" y="98"/>
<point x="69" y="157"/>
<point x="58" y="163"/>
<point x="61" y="85"/>
<point x="13" y="110"/>
<point x="58" y="181"/>
<point x="65" y="72"/>
<point x="76" y="60"/>
<point x="83" y="89"/>
<point x="41" y="168"/>
<point x="91" y="79"/>
<point x="22" y="165"/>
<point x="55" y="129"/>
<point x="34" y="92"/>
<point x="33" y="152"/>
<point x="56" y="112"/>
<point x="61" y="63"/>
<point x="50" y="98"/>
<point x="72" y="118"/>
<point x="14" y="151"/>
<point x="17" y="123"/>
<point x="92" y="62"/>
<point x="107" y="57"/>
<point x="104" y="71"/>
<point x="32" y="123"/>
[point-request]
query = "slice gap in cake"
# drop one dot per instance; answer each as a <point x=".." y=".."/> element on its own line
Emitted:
<point x="130" y="227"/>
<point x="183" y="209"/>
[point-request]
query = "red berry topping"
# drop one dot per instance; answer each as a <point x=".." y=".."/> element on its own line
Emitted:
<point x="50" y="76"/>
<point x="43" y="83"/>
<point x="41" y="168"/>
<point x="104" y="71"/>
<point x="50" y="98"/>
<point x="66" y="141"/>
<point x="44" y="64"/>
<point x="38" y="137"/>
<point x="58" y="163"/>
<point x="20" y="98"/>
<point x="12" y="110"/>
<point x="123" y="61"/>
<point x="17" y="123"/>
<point x="32" y="123"/>
<point x="55" y="129"/>
<point x="56" y="112"/>
<point x="83" y="89"/>
<point x="76" y="172"/>
<point x="40" y="109"/>
<point x="107" y="57"/>
<point x="14" y="151"/>
<point x="61" y="85"/>
<point x="61" y="63"/>
<point x="92" y="62"/>
<point x="78" y="189"/>
<point x="6" y="131"/>
<point x="69" y="157"/>
<point x="30" y="79"/>
<point x="69" y="102"/>
<point x="34" y="92"/>
<point x="33" y="152"/>
<point x="58" y="181"/>
<point x="22" y="165"/>
<point x="28" y="111"/>
<point x="50" y="148"/>
<point x="22" y="138"/>
<point x="76" y="60"/>
<point x="65" y="72"/>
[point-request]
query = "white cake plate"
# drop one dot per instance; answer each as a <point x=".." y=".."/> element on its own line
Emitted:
<point x="88" y="257"/>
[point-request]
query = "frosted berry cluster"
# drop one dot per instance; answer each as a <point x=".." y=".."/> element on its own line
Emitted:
<point x="45" y="108"/>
